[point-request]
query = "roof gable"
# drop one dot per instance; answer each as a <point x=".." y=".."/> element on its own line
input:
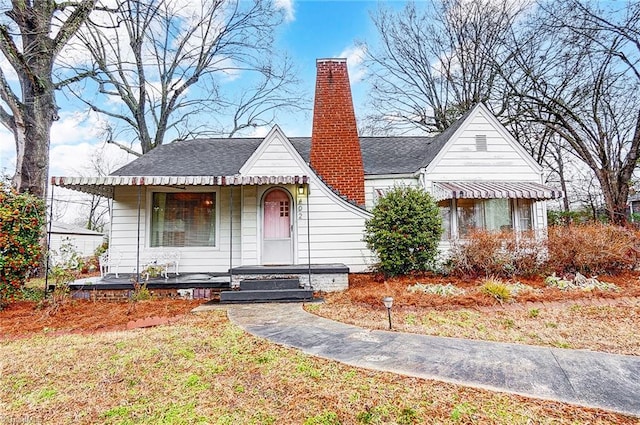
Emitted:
<point x="479" y="115"/>
<point x="274" y="156"/>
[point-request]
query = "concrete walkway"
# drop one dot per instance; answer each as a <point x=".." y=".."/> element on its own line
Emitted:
<point x="586" y="378"/>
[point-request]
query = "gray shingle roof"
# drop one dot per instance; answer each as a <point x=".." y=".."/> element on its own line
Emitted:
<point x="225" y="157"/>
<point x="197" y="157"/>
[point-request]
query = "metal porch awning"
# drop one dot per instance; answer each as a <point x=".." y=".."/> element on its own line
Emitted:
<point x="493" y="189"/>
<point x="105" y="186"/>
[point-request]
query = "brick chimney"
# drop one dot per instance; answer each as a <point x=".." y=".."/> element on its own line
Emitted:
<point x="335" y="147"/>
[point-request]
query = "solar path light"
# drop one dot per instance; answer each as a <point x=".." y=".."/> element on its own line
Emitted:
<point x="388" y="302"/>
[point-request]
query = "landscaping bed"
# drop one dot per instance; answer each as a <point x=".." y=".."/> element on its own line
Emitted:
<point x="538" y="313"/>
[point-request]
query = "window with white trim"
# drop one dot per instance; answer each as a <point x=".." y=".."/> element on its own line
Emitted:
<point x="180" y="219"/>
<point x="498" y="214"/>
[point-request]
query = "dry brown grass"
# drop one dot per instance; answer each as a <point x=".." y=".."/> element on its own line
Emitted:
<point x="205" y="370"/>
<point x="602" y="321"/>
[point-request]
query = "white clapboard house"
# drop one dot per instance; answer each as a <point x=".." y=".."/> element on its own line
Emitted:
<point x="278" y="203"/>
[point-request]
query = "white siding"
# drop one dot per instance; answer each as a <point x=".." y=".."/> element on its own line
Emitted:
<point x="124" y="226"/>
<point x="335" y="226"/>
<point x="192" y="259"/>
<point x="503" y="160"/>
<point x="84" y="245"/>
<point x="274" y="157"/>
<point x="336" y="230"/>
<point x="372" y="184"/>
<point x="250" y="225"/>
<point x="540" y="215"/>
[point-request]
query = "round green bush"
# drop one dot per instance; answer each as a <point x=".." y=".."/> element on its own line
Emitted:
<point x="404" y="231"/>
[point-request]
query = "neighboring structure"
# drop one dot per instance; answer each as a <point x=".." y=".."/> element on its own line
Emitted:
<point x="83" y="241"/>
<point x="278" y="200"/>
<point x="634" y="207"/>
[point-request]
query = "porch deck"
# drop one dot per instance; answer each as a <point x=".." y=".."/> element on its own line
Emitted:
<point x="324" y="277"/>
<point x="182" y="281"/>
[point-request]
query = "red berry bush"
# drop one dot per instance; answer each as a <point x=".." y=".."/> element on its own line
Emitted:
<point x="21" y="223"/>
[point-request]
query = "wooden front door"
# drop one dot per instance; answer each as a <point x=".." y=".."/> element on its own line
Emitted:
<point x="276" y="228"/>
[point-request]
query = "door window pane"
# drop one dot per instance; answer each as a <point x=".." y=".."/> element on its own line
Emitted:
<point x="183" y="219"/>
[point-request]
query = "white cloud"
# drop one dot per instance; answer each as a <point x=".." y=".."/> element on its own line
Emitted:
<point x="75" y="160"/>
<point x="260" y="131"/>
<point x="74" y="139"/>
<point x="68" y="160"/>
<point x="7" y="152"/>
<point x="287" y="8"/>
<point x="76" y="127"/>
<point x="355" y="55"/>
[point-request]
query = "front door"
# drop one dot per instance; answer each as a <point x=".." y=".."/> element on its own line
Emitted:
<point x="276" y="228"/>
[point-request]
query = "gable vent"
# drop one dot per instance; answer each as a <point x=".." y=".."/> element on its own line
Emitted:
<point x="481" y="142"/>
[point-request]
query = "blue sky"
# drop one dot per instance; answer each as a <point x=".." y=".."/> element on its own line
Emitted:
<point x="314" y="29"/>
<point x="324" y="29"/>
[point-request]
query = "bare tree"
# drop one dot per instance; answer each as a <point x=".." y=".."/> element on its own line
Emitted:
<point x="580" y="81"/>
<point x="94" y="210"/>
<point x="436" y="62"/>
<point x="30" y="41"/>
<point x="168" y="63"/>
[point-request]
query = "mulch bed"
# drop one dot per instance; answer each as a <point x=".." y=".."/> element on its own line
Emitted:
<point x="368" y="288"/>
<point x="24" y="318"/>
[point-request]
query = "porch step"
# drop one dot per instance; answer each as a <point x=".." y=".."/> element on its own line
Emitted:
<point x="269" y="295"/>
<point x="269" y="284"/>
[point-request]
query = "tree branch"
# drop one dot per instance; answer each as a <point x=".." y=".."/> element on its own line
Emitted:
<point x="124" y="148"/>
<point x="12" y="53"/>
<point x="71" y="25"/>
<point x="79" y="77"/>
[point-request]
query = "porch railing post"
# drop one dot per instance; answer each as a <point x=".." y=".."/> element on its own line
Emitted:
<point x="231" y="237"/>
<point x="48" y="253"/>
<point x="308" y="237"/>
<point x="138" y="236"/>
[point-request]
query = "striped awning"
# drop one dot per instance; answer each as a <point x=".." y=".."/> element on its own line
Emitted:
<point x="104" y="186"/>
<point x="492" y="189"/>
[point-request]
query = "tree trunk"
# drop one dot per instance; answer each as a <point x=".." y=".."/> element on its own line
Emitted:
<point x="32" y="138"/>
<point x="615" y="197"/>
<point x="44" y="28"/>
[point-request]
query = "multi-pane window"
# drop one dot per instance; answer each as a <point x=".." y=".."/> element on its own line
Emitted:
<point x="486" y="214"/>
<point x="284" y="208"/>
<point x="183" y="219"/>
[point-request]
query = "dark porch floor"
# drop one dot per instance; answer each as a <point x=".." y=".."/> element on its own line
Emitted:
<point x="125" y="281"/>
<point x="215" y="281"/>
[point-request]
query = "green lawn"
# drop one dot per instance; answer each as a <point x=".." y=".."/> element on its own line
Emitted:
<point x="206" y="370"/>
